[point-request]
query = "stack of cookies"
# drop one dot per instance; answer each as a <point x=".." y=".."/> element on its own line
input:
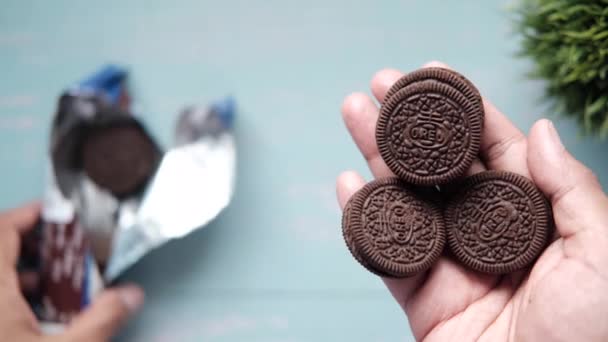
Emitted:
<point x="428" y="133"/>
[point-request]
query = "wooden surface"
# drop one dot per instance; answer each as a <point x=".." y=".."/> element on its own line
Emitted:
<point x="273" y="267"/>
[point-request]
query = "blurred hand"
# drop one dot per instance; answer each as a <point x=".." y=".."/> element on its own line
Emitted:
<point x="563" y="297"/>
<point x="97" y="323"/>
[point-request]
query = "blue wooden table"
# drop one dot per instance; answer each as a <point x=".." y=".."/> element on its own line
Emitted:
<point x="273" y="267"/>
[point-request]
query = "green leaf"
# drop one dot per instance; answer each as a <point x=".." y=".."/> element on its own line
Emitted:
<point x="596" y="106"/>
<point x="601" y="35"/>
<point x="567" y="40"/>
<point x="604" y="129"/>
<point x="588" y="34"/>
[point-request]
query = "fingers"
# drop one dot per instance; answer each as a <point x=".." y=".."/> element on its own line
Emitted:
<point x="23" y="218"/>
<point x="579" y="204"/>
<point x="503" y="146"/>
<point x="9" y="251"/>
<point x="382" y="81"/>
<point x="12" y="224"/>
<point x="347" y="184"/>
<point x="109" y="311"/>
<point x="360" y="114"/>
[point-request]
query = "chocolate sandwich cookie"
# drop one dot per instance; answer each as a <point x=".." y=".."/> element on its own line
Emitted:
<point x="429" y="128"/>
<point x="392" y="230"/>
<point x="407" y="79"/>
<point x="348" y="238"/>
<point x="498" y="222"/>
<point x="119" y="157"/>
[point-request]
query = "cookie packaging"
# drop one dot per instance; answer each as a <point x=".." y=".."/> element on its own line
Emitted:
<point x="90" y="233"/>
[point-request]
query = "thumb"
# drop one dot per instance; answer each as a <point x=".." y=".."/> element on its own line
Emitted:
<point x="580" y="207"/>
<point x="109" y="311"/>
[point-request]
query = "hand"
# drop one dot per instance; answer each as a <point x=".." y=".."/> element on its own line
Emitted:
<point x="562" y="297"/>
<point x="97" y="323"/>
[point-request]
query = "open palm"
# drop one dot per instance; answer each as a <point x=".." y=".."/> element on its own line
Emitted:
<point x="563" y="297"/>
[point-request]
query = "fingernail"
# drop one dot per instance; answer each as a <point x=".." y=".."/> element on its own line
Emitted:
<point x="132" y="296"/>
<point x="554" y="136"/>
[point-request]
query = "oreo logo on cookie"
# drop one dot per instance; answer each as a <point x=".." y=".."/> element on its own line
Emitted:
<point x="428" y="134"/>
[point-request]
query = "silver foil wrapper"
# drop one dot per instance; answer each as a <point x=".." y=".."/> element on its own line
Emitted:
<point x="91" y="236"/>
<point x="193" y="184"/>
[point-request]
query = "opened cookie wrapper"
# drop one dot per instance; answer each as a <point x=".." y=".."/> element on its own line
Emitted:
<point x="113" y="194"/>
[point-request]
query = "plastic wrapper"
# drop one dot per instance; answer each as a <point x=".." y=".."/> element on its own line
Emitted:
<point x="91" y="230"/>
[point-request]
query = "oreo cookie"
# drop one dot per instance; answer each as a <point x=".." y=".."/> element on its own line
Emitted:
<point x="497" y="222"/>
<point x="429" y="128"/>
<point x="348" y="238"/>
<point x="393" y="230"/>
<point x="119" y="157"/>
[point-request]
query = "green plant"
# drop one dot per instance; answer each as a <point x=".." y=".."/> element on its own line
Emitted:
<point x="568" y="42"/>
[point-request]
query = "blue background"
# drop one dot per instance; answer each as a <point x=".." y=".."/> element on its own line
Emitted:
<point x="273" y="266"/>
